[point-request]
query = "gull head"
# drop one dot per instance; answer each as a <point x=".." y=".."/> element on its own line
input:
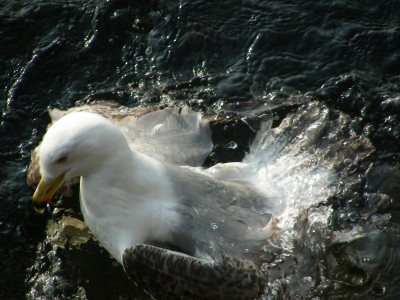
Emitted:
<point x="76" y="145"/>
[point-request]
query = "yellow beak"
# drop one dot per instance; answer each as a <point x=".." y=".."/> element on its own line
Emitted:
<point x="44" y="192"/>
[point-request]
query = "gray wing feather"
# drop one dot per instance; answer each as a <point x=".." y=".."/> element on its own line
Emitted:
<point x="220" y="217"/>
<point x="166" y="274"/>
<point x="175" y="135"/>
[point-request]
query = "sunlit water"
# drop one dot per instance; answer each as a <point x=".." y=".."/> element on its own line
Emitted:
<point x="231" y="57"/>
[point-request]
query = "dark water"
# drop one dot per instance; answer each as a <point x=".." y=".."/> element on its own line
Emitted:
<point x="208" y="54"/>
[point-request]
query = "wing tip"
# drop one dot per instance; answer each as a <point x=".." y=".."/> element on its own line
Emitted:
<point x="167" y="274"/>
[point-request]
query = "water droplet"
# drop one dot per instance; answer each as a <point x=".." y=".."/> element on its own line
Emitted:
<point x="365" y="259"/>
<point x="246" y="250"/>
<point x="353" y="217"/>
<point x="214" y="225"/>
<point x="307" y="279"/>
<point x="264" y="267"/>
<point x="348" y="161"/>
<point x="379" y="289"/>
<point x="149" y="50"/>
<point x="89" y="86"/>
<point x="139" y="58"/>
<point x="231" y="145"/>
<point x="233" y="244"/>
<point x="225" y="127"/>
<point x="249" y="228"/>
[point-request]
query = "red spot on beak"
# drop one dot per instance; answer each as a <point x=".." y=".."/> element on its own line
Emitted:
<point x="47" y="200"/>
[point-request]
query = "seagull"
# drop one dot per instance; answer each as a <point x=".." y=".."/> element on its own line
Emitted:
<point x="178" y="230"/>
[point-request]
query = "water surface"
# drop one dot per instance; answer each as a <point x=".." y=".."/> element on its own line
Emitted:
<point x="222" y="55"/>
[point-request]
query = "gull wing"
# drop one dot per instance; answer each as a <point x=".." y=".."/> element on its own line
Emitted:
<point x="166" y="274"/>
<point x="175" y="135"/>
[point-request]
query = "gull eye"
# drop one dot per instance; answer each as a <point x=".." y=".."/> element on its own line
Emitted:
<point x="61" y="159"/>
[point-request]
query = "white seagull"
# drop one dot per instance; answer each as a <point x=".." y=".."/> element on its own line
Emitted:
<point x="178" y="230"/>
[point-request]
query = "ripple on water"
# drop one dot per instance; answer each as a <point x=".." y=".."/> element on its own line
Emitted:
<point x="228" y="52"/>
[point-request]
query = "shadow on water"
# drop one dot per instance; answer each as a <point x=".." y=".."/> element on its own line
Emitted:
<point x="223" y="56"/>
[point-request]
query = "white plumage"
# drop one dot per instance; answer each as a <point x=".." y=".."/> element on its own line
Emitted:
<point x="140" y="184"/>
